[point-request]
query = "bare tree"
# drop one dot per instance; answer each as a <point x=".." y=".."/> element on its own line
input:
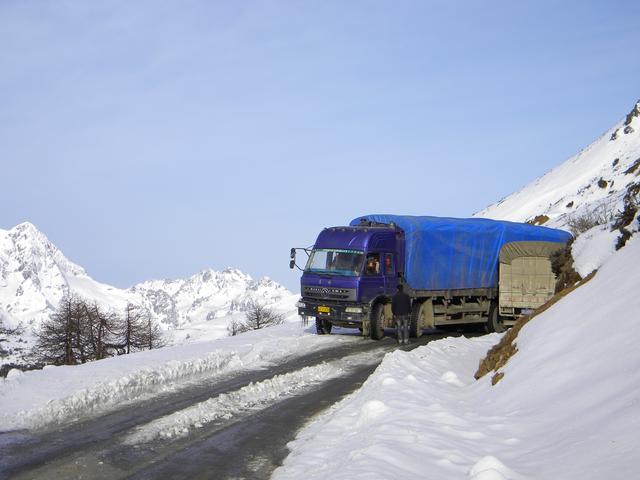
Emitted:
<point x="57" y="340"/>
<point x="151" y="335"/>
<point x="137" y="331"/>
<point x="259" y="316"/>
<point x="79" y="332"/>
<point x="101" y="331"/>
<point x="233" y="327"/>
<point x="129" y="331"/>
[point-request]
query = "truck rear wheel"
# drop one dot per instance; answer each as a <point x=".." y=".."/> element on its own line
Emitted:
<point x="377" y="321"/>
<point x="494" y="324"/>
<point x="415" y="324"/>
<point x="323" y="327"/>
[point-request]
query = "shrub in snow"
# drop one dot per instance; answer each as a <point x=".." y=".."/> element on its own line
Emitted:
<point x="629" y="212"/>
<point x="257" y="316"/>
<point x="562" y="265"/>
<point x="601" y="214"/>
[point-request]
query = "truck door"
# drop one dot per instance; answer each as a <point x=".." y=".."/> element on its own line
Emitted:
<point x="390" y="277"/>
<point x="372" y="282"/>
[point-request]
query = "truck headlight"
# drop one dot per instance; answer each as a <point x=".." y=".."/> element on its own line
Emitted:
<point x="300" y="305"/>
<point x="353" y="310"/>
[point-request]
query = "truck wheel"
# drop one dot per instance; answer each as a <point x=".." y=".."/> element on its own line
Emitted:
<point x="377" y="321"/>
<point x="493" y="322"/>
<point x="323" y="327"/>
<point x="415" y="324"/>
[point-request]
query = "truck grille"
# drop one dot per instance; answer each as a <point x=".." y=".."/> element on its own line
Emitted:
<point x="330" y="293"/>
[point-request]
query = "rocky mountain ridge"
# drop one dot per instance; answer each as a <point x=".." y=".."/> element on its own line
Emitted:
<point x="595" y="180"/>
<point x="35" y="274"/>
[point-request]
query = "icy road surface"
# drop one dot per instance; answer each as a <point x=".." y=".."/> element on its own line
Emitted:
<point x="235" y="426"/>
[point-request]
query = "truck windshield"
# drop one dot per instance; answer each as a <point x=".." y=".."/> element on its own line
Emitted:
<point x="335" y="262"/>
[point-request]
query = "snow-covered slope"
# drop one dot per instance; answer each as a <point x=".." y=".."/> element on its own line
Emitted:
<point x="34" y="275"/>
<point x="568" y="406"/>
<point x="597" y="176"/>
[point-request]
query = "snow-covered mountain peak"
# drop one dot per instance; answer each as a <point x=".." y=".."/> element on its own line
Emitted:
<point x="25" y="244"/>
<point x="33" y="274"/>
<point x="597" y="177"/>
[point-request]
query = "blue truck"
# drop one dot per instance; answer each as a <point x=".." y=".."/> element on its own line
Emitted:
<point x="457" y="272"/>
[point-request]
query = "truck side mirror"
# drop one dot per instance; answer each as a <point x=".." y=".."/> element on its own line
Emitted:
<point x="292" y="264"/>
<point x="293" y="254"/>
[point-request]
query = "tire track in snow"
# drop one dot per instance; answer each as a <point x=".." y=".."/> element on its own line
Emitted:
<point x="249" y="398"/>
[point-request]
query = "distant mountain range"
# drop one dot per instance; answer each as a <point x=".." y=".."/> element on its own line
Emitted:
<point x="597" y="177"/>
<point x="35" y="274"/>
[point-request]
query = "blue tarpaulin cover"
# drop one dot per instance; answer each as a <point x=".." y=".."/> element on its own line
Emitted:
<point x="455" y="253"/>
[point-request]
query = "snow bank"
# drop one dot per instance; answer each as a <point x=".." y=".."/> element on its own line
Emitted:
<point x="59" y="394"/>
<point x="591" y="249"/>
<point x="568" y="406"/>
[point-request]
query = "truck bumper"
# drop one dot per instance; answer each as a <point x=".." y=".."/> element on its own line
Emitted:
<point x="337" y="314"/>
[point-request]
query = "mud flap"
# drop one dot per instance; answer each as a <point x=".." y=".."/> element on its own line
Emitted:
<point x="366" y="327"/>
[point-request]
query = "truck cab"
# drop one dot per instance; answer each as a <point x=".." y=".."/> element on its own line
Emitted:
<point x="349" y="270"/>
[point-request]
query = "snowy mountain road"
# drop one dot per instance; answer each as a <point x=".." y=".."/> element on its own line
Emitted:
<point x="237" y="427"/>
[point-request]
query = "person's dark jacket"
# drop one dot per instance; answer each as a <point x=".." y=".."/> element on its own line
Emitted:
<point x="401" y="303"/>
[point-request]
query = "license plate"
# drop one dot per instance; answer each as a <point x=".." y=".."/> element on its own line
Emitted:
<point x="324" y="309"/>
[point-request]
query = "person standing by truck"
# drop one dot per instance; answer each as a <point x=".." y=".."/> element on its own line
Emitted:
<point x="401" y="308"/>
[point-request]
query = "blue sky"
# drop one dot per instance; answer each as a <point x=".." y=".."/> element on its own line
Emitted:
<point x="155" y="139"/>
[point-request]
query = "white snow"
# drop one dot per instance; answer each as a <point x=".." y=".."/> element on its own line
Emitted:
<point x="592" y="248"/>
<point x="54" y="395"/>
<point x="568" y="406"/>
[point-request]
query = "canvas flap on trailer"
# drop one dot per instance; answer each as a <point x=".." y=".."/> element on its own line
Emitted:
<point x="458" y="253"/>
<point x="512" y="250"/>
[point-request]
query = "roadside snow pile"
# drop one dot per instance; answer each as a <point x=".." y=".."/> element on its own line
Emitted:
<point x="253" y="396"/>
<point x="568" y="406"/>
<point x="36" y="399"/>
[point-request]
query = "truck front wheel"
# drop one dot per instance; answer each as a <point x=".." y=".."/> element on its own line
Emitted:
<point x="377" y="321"/>
<point x="323" y="327"/>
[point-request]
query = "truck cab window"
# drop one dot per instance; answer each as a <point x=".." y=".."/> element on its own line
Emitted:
<point x="372" y="265"/>
<point x="389" y="268"/>
<point x="335" y="262"/>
